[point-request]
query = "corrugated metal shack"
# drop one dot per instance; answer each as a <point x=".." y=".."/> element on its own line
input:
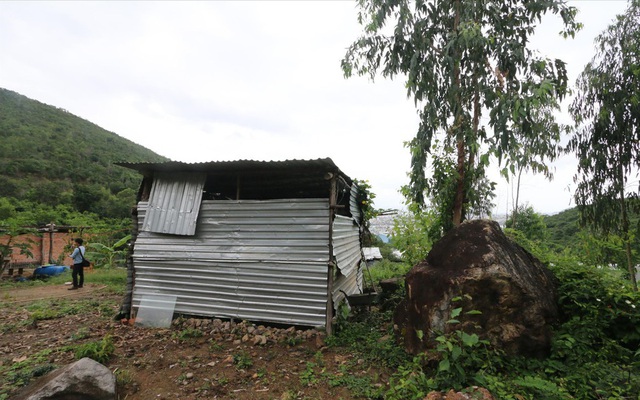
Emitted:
<point x="270" y="241"/>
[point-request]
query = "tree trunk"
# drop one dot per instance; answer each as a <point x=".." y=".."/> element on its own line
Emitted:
<point x="625" y="233"/>
<point x="459" y="199"/>
<point x="458" y="126"/>
<point x="515" y="207"/>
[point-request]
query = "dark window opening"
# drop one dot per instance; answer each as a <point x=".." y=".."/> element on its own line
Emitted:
<point x="271" y="186"/>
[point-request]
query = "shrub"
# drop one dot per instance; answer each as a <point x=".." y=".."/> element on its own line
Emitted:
<point x="386" y="269"/>
<point x="413" y="235"/>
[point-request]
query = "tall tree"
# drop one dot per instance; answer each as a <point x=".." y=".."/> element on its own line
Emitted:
<point x="606" y="140"/>
<point x="531" y="153"/>
<point x="463" y="59"/>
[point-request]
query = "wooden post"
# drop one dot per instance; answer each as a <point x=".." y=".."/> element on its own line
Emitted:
<point x="51" y="230"/>
<point x="42" y="249"/>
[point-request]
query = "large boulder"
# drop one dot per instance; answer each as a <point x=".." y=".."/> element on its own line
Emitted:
<point x="514" y="292"/>
<point x="84" y="379"/>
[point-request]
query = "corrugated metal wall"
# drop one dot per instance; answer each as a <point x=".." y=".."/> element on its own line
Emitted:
<point x="354" y="207"/>
<point x="346" y="249"/>
<point x="254" y="260"/>
<point x="174" y="203"/>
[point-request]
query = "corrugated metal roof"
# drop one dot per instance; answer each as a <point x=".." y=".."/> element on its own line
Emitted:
<point x="238" y="166"/>
<point x="372" y="253"/>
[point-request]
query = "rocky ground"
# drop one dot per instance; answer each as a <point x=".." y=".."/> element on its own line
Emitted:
<point x="194" y="359"/>
<point x="42" y="328"/>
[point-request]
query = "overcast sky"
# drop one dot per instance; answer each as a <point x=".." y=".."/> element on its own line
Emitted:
<point x="223" y="80"/>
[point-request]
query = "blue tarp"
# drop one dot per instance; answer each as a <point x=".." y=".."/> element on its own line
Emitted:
<point x="50" y="270"/>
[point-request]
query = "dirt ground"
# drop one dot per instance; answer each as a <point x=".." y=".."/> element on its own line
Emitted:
<point x="22" y="296"/>
<point x="232" y="361"/>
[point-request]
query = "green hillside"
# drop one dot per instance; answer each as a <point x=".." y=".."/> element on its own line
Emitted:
<point x="50" y="156"/>
<point x="565" y="233"/>
<point x="563" y="227"/>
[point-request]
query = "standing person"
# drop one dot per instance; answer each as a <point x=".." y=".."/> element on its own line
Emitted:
<point x="78" y="264"/>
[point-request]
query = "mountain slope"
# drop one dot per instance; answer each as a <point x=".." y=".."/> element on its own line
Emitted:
<point x="51" y="156"/>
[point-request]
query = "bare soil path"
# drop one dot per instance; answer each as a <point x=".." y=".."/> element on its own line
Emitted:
<point x="46" y="292"/>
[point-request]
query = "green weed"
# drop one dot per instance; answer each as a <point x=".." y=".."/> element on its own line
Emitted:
<point x="187" y="333"/>
<point x="214" y="346"/>
<point x="308" y="376"/>
<point x="123" y="377"/>
<point x="360" y="386"/>
<point x="99" y="351"/>
<point x="81" y="333"/>
<point x="242" y="360"/>
<point x="22" y="372"/>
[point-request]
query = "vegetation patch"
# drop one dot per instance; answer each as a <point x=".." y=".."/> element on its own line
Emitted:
<point x="99" y="351"/>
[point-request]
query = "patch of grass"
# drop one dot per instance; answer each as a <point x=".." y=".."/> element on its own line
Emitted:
<point x="22" y="372"/>
<point x="371" y="337"/>
<point x="123" y="377"/>
<point x="60" y="308"/>
<point x="100" y="351"/>
<point x="360" y="386"/>
<point x="187" y="333"/>
<point x="115" y="280"/>
<point x="242" y="360"/>
<point x="308" y="376"/>
<point x="8" y="327"/>
<point x="81" y="333"/>
<point x="292" y="341"/>
<point x="220" y="380"/>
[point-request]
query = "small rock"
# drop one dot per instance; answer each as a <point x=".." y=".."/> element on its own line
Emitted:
<point x="259" y="340"/>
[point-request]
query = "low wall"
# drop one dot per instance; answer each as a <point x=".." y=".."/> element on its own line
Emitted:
<point x="45" y="248"/>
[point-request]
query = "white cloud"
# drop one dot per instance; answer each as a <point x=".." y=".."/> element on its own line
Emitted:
<point x="201" y="81"/>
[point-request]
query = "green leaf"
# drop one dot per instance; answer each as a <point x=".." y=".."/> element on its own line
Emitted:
<point x="456" y="352"/>
<point x="449" y="346"/>
<point x="470" y="340"/>
<point x="444" y="365"/>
